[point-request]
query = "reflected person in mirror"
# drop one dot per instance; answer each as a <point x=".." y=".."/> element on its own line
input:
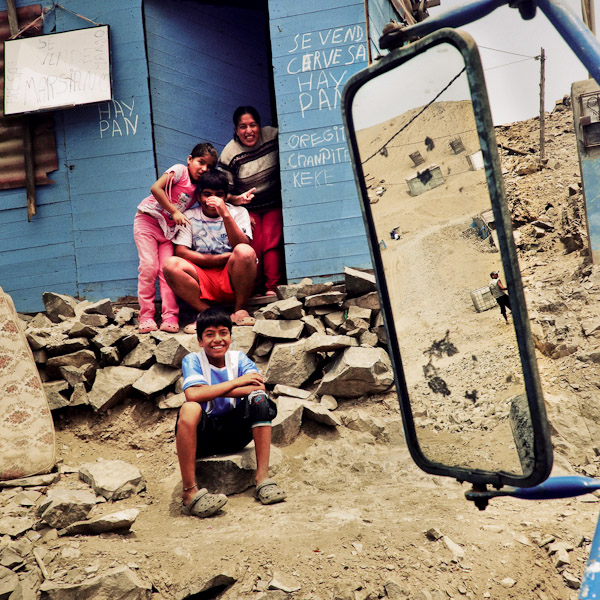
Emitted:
<point x="500" y="293"/>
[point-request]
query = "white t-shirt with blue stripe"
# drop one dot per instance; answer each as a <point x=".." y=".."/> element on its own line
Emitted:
<point x="195" y="367"/>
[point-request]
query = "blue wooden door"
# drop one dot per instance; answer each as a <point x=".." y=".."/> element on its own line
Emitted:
<point x="204" y="60"/>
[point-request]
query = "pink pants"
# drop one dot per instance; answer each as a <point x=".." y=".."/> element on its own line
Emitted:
<point x="153" y="249"/>
<point x="267" y="241"/>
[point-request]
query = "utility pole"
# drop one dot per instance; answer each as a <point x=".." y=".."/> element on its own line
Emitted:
<point x="542" y="58"/>
<point x="587" y="12"/>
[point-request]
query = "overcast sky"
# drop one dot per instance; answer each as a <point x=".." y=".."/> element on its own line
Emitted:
<point x="514" y="88"/>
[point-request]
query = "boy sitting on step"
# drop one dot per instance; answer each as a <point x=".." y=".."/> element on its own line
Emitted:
<point x="226" y="407"/>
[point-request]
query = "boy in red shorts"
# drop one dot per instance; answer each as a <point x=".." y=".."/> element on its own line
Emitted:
<point x="214" y="262"/>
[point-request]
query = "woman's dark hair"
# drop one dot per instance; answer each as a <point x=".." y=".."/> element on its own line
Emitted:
<point x="214" y="180"/>
<point x="242" y="110"/>
<point x="214" y="316"/>
<point x="204" y="149"/>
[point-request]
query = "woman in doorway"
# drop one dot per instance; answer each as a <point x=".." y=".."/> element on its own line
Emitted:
<point x="251" y="161"/>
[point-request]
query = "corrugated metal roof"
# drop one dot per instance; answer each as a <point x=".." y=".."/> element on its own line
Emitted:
<point x="12" y="158"/>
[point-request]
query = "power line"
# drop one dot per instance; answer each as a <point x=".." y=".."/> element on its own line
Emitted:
<point x="511" y="63"/>
<point x="507" y="52"/>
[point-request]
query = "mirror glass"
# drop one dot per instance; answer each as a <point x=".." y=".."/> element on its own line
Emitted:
<point x="431" y="210"/>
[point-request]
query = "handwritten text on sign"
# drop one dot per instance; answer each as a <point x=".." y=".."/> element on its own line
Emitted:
<point x="117" y="119"/>
<point x="56" y="71"/>
<point x="318" y="62"/>
<point x="322" y="51"/>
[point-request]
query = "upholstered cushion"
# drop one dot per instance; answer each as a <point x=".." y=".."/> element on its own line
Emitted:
<point x="27" y="444"/>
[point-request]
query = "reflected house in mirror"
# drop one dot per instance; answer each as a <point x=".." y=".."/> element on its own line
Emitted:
<point x="460" y="369"/>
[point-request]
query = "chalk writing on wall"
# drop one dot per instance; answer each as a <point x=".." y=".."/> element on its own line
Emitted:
<point x="117" y="118"/>
<point x="57" y="71"/>
<point x="320" y="63"/>
<point x="315" y="54"/>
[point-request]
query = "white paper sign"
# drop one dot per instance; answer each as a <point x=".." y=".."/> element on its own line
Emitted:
<point x="59" y="70"/>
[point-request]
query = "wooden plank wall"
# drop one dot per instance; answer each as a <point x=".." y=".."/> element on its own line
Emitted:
<point x="203" y="64"/>
<point x="317" y="45"/>
<point x="380" y="13"/>
<point x="80" y="242"/>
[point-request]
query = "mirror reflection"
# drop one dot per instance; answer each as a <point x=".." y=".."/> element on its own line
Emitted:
<point x="430" y="205"/>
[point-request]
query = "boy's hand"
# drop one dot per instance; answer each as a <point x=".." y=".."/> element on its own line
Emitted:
<point x="251" y="379"/>
<point x="179" y="218"/>
<point x="218" y="204"/>
<point x="246" y="197"/>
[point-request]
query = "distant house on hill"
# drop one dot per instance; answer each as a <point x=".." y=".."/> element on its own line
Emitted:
<point x="179" y="69"/>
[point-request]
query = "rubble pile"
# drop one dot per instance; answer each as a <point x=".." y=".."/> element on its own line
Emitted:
<point x="327" y="337"/>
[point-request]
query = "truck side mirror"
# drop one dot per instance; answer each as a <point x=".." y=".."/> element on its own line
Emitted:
<point x="426" y="164"/>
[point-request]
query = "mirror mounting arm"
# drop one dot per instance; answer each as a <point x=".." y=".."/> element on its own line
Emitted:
<point x="456" y="17"/>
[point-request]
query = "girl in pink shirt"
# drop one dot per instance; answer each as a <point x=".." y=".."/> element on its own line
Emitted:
<point x="158" y="218"/>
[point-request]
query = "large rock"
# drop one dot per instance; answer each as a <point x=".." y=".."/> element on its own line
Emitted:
<point x="118" y="582"/>
<point x="358" y="282"/>
<point x="59" y="306"/>
<point x="287" y="423"/>
<point x="112" y="386"/>
<point x="357" y="372"/>
<point x="63" y="507"/>
<point x="113" y="479"/>
<point x="233" y="473"/>
<point x="156" y="379"/>
<point x="290" y="364"/>
<point x="120" y="521"/>
<point x="76" y="359"/>
<point x="279" y="329"/>
<point x="9" y="582"/>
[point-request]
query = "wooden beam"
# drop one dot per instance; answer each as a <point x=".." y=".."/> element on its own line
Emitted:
<point x="13" y="24"/>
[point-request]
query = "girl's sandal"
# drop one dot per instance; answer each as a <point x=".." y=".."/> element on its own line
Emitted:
<point x="170" y="326"/>
<point x="147" y="326"/>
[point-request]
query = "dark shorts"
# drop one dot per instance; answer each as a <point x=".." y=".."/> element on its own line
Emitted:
<point x="231" y="432"/>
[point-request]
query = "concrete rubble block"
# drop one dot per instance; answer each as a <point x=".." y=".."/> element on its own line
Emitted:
<point x="290" y="364"/>
<point x="109" y="336"/>
<point x="15" y="526"/>
<point x="358" y="282"/>
<point x="286" y="390"/>
<point x="66" y="346"/>
<point x="326" y="298"/>
<point x="329" y="343"/>
<point x="359" y="420"/>
<point x="170" y="352"/>
<point x="112" y="385"/>
<point x="9" y="582"/>
<point x="120" y="521"/>
<point x="319" y="413"/>
<point x="79" y="397"/>
<point x="142" y="356"/>
<point x="33" y="481"/>
<point x="102" y="307"/>
<point x="76" y="359"/>
<point x="243" y="339"/>
<point x="291" y="308"/>
<point x="263" y="348"/>
<point x="118" y="582"/>
<point x="328" y="401"/>
<point x="156" y="379"/>
<point x="334" y="319"/>
<point x="233" y="473"/>
<point x="354" y="327"/>
<point x="369" y="339"/>
<point x="109" y="357"/>
<point x="279" y="329"/>
<point x="357" y="372"/>
<point x="75" y="375"/>
<point x="94" y="320"/>
<point x="287" y="423"/>
<point x="356" y="312"/>
<point x="172" y="401"/>
<point x="39" y="338"/>
<point x="124" y="315"/>
<point x="300" y="290"/>
<point x="312" y="325"/>
<point x="40" y="321"/>
<point x="57" y="394"/>
<point x="126" y="344"/>
<point x="58" y="305"/>
<point x="62" y="507"/>
<point x="112" y="479"/>
<point x="370" y="300"/>
<point x="80" y="329"/>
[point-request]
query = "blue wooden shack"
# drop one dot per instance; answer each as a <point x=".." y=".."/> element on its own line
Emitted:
<point x="179" y="69"/>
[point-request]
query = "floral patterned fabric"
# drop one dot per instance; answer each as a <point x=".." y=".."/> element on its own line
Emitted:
<point x="27" y="444"/>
